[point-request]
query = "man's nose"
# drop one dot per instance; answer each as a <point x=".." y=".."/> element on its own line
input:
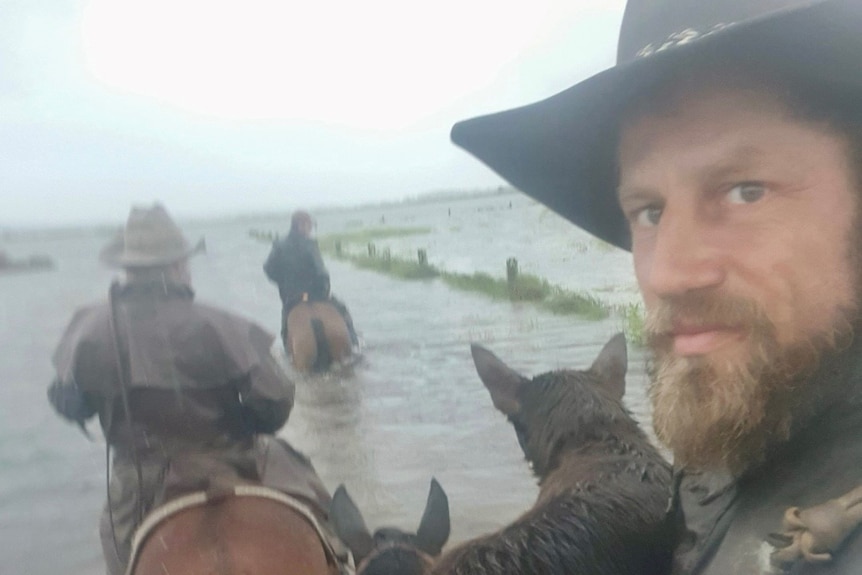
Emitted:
<point x="685" y="257"/>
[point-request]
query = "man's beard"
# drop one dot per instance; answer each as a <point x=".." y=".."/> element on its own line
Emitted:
<point x="724" y="414"/>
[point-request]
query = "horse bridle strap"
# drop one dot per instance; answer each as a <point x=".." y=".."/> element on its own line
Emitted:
<point x="201" y="498"/>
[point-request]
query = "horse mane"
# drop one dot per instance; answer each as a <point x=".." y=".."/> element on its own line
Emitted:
<point x="603" y="492"/>
<point x="590" y="529"/>
<point x="566" y="410"/>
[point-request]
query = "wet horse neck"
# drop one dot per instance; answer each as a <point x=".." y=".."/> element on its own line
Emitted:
<point x="601" y="463"/>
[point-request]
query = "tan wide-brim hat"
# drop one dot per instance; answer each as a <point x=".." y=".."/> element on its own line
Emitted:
<point x="562" y="150"/>
<point x="150" y="239"/>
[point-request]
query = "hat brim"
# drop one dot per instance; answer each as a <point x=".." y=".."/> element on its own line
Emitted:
<point x="562" y="151"/>
<point x="114" y="255"/>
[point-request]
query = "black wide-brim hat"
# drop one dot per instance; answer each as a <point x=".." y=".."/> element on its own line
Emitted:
<point x="562" y="150"/>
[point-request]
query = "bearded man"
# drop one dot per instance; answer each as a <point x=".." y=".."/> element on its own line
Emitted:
<point x="725" y="151"/>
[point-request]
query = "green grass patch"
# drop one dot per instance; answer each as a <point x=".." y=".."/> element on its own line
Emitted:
<point x="327" y="243"/>
<point x="565" y="302"/>
<point x="633" y="323"/>
<point x="396" y="267"/>
<point x="478" y="282"/>
<point x="527" y="287"/>
<point x="524" y="287"/>
<point x="530" y="288"/>
<point x="603" y="246"/>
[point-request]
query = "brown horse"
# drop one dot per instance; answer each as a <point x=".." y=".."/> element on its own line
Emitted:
<point x="255" y="531"/>
<point x="391" y="551"/>
<point x="604" y="488"/>
<point x="317" y="336"/>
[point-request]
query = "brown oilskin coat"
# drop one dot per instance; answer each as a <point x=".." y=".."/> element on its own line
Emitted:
<point x="202" y="389"/>
<point x="728" y="522"/>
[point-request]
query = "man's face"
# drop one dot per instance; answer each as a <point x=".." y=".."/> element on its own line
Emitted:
<point x="306" y="227"/>
<point x="741" y="218"/>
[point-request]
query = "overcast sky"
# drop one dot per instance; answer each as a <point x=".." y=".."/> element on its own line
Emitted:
<point x="228" y="107"/>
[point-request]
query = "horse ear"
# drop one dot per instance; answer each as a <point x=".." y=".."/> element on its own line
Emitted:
<point x="434" y="528"/>
<point x="611" y="365"/>
<point x="502" y="382"/>
<point x="349" y="525"/>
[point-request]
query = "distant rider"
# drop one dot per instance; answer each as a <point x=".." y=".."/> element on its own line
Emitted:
<point x="296" y="266"/>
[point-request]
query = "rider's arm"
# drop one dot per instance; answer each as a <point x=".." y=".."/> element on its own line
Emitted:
<point x="266" y="392"/>
<point x="271" y="267"/>
<point x="78" y="363"/>
<point x="70" y="402"/>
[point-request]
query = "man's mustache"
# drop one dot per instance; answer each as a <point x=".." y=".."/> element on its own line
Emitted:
<point x="702" y="309"/>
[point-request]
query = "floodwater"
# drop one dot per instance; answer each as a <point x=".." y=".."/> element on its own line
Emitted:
<point x="413" y="408"/>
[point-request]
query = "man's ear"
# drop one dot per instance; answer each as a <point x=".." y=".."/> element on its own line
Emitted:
<point x="349" y="525"/>
<point x="503" y="383"/>
<point x="611" y="365"/>
<point x="434" y="528"/>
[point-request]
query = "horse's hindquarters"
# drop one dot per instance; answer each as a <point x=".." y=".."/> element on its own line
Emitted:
<point x="233" y="536"/>
<point x="317" y="336"/>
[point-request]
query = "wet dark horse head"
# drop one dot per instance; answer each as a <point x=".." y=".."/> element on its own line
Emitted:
<point x="603" y="487"/>
<point x="391" y="551"/>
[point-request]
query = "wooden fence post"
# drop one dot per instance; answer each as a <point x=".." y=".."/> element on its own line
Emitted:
<point x="511" y="271"/>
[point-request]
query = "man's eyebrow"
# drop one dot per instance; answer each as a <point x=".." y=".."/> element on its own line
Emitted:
<point x="738" y="160"/>
<point x="731" y="163"/>
<point x="629" y="193"/>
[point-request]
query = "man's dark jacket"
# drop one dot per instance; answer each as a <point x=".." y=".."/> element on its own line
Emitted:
<point x="203" y="391"/>
<point x="728" y="524"/>
<point x="295" y="265"/>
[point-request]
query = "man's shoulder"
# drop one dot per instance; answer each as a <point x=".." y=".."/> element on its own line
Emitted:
<point x="92" y="314"/>
<point x="820" y="467"/>
<point x="224" y="318"/>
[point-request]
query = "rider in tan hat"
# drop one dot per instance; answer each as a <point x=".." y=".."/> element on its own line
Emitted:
<point x="725" y="151"/>
<point x="186" y="393"/>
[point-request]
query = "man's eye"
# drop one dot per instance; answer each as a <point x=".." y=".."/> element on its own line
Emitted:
<point x="648" y="217"/>
<point x="746" y="193"/>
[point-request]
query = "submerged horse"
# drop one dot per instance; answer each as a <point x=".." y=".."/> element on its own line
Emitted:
<point x="603" y="487"/>
<point x="252" y="530"/>
<point x="391" y="551"/>
<point x="317" y="336"/>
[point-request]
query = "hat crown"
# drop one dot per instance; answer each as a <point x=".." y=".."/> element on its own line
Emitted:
<point x="651" y="26"/>
<point x="150" y="238"/>
<point x="151" y="231"/>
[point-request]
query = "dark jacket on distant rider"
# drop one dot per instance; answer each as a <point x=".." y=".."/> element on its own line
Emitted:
<point x="296" y="266"/>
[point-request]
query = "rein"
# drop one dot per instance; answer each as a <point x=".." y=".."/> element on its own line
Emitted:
<point x="164" y="512"/>
<point x="124" y="395"/>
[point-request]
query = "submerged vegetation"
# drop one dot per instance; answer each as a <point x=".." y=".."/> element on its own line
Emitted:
<point x="633" y="323"/>
<point x="530" y="288"/>
<point x="396" y="267"/>
<point x="329" y="242"/>
<point x="516" y="287"/>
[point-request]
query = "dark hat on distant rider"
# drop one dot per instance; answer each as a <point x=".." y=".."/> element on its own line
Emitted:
<point x="150" y="239"/>
<point x="562" y="150"/>
<point x="300" y="217"/>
